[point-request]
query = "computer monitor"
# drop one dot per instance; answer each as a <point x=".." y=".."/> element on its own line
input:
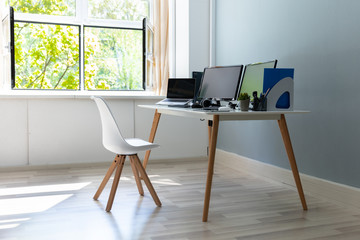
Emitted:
<point x="220" y="82"/>
<point x="253" y="77"/>
<point x="198" y="76"/>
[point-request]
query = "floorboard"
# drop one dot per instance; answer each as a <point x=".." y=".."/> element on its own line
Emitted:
<point x="55" y="202"/>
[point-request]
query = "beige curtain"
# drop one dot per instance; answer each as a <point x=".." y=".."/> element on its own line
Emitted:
<point x="161" y="46"/>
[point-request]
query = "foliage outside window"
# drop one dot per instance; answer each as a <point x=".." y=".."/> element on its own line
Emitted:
<point x="110" y="62"/>
<point x="103" y="50"/>
<point x="47" y="56"/>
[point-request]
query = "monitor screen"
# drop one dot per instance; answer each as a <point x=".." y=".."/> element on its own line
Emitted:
<point x="198" y="76"/>
<point x="181" y="88"/>
<point x="220" y="82"/>
<point x="253" y="77"/>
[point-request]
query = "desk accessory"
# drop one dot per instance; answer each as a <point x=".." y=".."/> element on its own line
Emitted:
<point x="231" y="105"/>
<point x="244" y="101"/>
<point x="224" y="109"/>
<point x="208" y="102"/>
<point x="279" y="83"/>
<point x="259" y="104"/>
<point x="196" y="104"/>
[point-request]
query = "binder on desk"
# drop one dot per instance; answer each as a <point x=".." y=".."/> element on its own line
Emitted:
<point x="280" y="84"/>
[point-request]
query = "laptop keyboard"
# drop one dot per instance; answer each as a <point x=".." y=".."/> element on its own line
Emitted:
<point x="175" y="100"/>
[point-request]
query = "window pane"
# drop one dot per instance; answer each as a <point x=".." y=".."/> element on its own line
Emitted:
<point x="131" y="10"/>
<point x="46" y="56"/>
<point x="48" y="7"/>
<point x="113" y="59"/>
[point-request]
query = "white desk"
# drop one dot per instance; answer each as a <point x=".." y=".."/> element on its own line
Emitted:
<point x="213" y="118"/>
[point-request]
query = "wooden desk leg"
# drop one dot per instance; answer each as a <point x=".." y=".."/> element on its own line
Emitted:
<point x="210" y="123"/>
<point x="212" y="149"/>
<point x="152" y="136"/>
<point x="289" y="150"/>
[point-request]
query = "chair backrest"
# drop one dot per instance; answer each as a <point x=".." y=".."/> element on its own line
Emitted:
<point x="112" y="138"/>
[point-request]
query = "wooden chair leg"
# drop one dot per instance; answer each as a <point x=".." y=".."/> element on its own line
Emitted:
<point x="137" y="177"/>
<point x="115" y="184"/>
<point x="146" y="179"/>
<point x="107" y="177"/>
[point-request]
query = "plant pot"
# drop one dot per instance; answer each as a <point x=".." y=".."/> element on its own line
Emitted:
<point x="244" y="104"/>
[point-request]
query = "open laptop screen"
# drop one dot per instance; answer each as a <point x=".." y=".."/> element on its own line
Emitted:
<point x="183" y="88"/>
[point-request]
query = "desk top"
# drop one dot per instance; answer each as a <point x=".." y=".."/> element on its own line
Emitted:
<point x="223" y="115"/>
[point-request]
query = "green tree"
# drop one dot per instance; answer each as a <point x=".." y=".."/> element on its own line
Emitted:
<point x="130" y="10"/>
<point x="47" y="7"/>
<point x="114" y="60"/>
<point x="46" y="55"/>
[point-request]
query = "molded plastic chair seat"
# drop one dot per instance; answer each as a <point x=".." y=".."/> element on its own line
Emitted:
<point x="135" y="145"/>
<point x="114" y="142"/>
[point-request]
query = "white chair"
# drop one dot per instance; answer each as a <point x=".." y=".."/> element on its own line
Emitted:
<point x="114" y="142"/>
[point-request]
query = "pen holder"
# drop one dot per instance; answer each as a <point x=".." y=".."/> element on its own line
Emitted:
<point x="263" y="104"/>
<point x="259" y="104"/>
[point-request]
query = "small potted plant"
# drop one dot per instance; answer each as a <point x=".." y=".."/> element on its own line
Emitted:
<point x="244" y="101"/>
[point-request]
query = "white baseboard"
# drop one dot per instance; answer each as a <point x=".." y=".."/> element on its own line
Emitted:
<point x="317" y="187"/>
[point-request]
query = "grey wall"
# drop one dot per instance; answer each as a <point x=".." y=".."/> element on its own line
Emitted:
<point x="321" y="40"/>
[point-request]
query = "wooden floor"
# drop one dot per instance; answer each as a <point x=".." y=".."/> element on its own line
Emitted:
<point x="56" y="203"/>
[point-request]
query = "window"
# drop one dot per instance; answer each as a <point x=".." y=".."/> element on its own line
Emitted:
<point x="82" y="44"/>
<point x="110" y="61"/>
<point x="46" y="56"/>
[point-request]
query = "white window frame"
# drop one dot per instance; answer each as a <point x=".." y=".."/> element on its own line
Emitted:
<point x="81" y="19"/>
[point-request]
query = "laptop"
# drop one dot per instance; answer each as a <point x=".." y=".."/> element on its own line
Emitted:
<point x="180" y="92"/>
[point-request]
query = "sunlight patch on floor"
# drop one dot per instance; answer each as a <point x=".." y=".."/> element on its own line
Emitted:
<point x="8" y="226"/>
<point x="43" y="189"/>
<point x="14" y="220"/>
<point x="12" y="206"/>
<point x="166" y="182"/>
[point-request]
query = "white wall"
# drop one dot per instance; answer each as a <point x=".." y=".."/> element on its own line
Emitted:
<point x="13" y="132"/>
<point x="181" y="42"/>
<point x="56" y="130"/>
<point x="40" y="131"/>
<point x="199" y="34"/>
<point x="192" y="36"/>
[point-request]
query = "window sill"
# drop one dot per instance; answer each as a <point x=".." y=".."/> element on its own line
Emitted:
<point x="77" y="94"/>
